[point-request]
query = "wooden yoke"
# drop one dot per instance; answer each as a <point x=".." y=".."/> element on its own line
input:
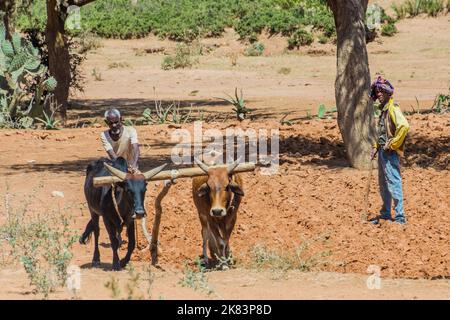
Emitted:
<point x="174" y="174"/>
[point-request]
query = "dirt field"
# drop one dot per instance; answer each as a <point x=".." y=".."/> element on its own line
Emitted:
<point x="315" y="201"/>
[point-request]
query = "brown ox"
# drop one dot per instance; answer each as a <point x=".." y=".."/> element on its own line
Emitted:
<point x="217" y="198"/>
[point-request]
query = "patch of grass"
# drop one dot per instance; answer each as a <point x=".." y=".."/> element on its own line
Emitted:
<point x="88" y="41"/>
<point x="388" y="30"/>
<point x="300" y="38"/>
<point x="278" y="260"/>
<point x="113" y="285"/>
<point x="116" y="65"/>
<point x="412" y="8"/>
<point x="256" y="49"/>
<point x="284" y="70"/>
<point x="133" y="290"/>
<point x="183" y="58"/>
<point x="323" y="39"/>
<point x="196" y="279"/>
<point x="41" y="243"/>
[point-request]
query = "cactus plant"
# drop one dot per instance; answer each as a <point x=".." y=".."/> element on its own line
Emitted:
<point x="22" y="76"/>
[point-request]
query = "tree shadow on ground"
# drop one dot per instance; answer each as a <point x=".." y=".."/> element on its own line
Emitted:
<point x="145" y="163"/>
<point x="133" y="108"/>
<point x="421" y="151"/>
<point x="305" y="150"/>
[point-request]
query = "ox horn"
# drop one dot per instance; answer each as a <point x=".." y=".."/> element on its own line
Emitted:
<point x="149" y="174"/>
<point x="233" y="165"/>
<point x="116" y="172"/>
<point x="202" y="165"/>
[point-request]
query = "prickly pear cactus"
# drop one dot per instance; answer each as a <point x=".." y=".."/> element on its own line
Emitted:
<point x="20" y="65"/>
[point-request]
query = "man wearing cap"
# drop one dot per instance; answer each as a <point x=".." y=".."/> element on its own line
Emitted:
<point x="392" y="130"/>
<point x="120" y="140"/>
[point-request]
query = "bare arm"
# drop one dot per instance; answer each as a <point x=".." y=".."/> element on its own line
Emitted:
<point x="112" y="155"/>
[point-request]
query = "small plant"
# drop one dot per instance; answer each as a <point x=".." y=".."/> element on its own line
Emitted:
<point x="233" y="59"/>
<point x="239" y="105"/>
<point x="284" y="70"/>
<point x="299" y="38"/>
<point x="115" y="65"/>
<point x="441" y="103"/>
<point x="323" y="39"/>
<point x="183" y="58"/>
<point x="286" y="122"/>
<point x="321" y="111"/>
<point x="399" y="10"/>
<point x="196" y="279"/>
<point x="113" y="286"/>
<point x="388" y="30"/>
<point x="417" y="111"/>
<point x="50" y="123"/>
<point x="255" y="49"/>
<point x="96" y="74"/>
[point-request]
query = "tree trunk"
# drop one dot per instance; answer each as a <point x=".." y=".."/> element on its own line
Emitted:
<point x="58" y="55"/>
<point x="355" y="109"/>
<point x="7" y="7"/>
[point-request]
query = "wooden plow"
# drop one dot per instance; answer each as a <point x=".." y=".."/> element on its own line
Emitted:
<point x="169" y="177"/>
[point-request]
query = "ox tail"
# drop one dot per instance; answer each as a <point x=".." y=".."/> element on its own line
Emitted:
<point x="86" y="236"/>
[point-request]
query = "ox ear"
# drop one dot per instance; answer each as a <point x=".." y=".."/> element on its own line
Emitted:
<point x="236" y="189"/>
<point x="203" y="190"/>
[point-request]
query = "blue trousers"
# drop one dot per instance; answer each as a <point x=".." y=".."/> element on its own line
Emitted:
<point x="390" y="182"/>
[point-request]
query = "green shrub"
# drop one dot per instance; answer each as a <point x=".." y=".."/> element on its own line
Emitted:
<point x="255" y="49"/>
<point x="301" y="37"/>
<point x="323" y="39"/>
<point x="186" y="20"/>
<point x="41" y="243"/>
<point x="388" y="30"/>
<point x="413" y="8"/>
<point x="183" y="58"/>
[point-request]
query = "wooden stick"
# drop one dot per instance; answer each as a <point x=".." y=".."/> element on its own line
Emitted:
<point x="174" y="174"/>
<point x="365" y="213"/>
<point x="157" y="221"/>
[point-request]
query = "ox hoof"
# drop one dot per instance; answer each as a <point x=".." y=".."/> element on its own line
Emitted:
<point x="123" y="263"/>
<point x="204" y="262"/>
<point x="116" y="267"/>
<point x="95" y="264"/>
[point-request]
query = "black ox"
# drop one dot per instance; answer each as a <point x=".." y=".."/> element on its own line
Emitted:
<point x="129" y="195"/>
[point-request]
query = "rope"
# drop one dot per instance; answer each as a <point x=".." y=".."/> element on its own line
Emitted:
<point x="116" y="207"/>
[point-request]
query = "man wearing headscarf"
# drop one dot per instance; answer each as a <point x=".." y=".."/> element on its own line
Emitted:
<point x="392" y="130"/>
